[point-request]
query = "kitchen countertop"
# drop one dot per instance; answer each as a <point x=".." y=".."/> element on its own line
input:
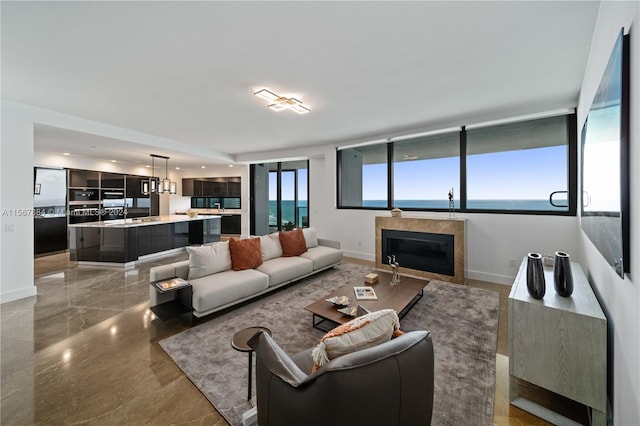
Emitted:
<point x="142" y="221"/>
<point x="225" y="212"/>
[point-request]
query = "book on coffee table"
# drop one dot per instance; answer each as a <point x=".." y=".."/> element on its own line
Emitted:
<point x="365" y="293"/>
<point x="171" y="284"/>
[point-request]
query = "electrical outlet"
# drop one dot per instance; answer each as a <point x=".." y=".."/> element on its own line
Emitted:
<point x="512" y="263"/>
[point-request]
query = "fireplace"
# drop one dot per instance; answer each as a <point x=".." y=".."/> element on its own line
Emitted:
<point x="423" y="251"/>
<point x="431" y="248"/>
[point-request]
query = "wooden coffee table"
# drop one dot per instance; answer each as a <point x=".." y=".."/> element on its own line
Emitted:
<point x="400" y="298"/>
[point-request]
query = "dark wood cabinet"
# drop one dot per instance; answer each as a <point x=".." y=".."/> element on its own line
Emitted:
<point x="145" y="244"/>
<point x="188" y="188"/>
<point x="134" y="187"/>
<point x="231" y="224"/>
<point x="234" y="187"/>
<point x="192" y="187"/>
<point x="211" y="187"/>
<point x="111" y="180"/>
<point x="50" y="234"/>
<point x="121" y="244"/>
<point x="84" y="179"/>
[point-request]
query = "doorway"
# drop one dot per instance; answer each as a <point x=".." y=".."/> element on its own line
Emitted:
<point x="279" y="195"/>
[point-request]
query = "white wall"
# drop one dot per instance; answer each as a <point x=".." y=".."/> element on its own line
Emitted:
<point x="16" y="235"/>
<point x="620" y="297"/>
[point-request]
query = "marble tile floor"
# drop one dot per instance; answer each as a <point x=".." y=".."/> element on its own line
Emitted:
<point x="85" y="351"/>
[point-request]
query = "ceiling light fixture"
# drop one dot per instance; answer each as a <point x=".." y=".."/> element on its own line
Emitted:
<point x="153" y="184"/>
<point x="279" y="103"/>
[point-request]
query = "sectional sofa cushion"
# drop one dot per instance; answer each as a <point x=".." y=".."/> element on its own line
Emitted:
<point x="245" y="253"/>
<point x="293" y="242"/>
<point x="226" y="287"/>
<point x="270" y="246"/>
<point x="322" y="256"/>
<point x="283" y="269"/>
<point x="207" y="260"/>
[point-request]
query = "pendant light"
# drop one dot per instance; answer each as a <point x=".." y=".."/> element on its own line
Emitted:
<point x="167" y="184"/>
<point x="152" y="185"/>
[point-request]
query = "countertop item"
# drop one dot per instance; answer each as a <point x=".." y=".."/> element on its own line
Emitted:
<point x="142" y="221"/>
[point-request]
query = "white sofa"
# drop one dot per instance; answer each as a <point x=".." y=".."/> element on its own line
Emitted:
<point x="216" y="286"/>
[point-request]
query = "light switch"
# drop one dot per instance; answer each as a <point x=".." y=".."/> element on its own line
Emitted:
<point x="10" y="227"/>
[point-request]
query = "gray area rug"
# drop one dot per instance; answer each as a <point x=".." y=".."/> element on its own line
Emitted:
<point x="463" y="322"/>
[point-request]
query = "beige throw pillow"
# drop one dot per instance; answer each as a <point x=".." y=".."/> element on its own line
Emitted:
<point x="207" y="260"/>
<point x="360" y="333"/>
<point x="310" y="236"/>
<point x="270" y="246"/>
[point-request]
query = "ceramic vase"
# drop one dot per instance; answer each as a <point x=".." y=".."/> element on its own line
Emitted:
<point x="562" y="276"/>
<point x="535" y="276"/>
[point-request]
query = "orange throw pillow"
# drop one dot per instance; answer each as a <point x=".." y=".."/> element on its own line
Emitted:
<point x="245" y="254"/>
<point x="292" y="242"/>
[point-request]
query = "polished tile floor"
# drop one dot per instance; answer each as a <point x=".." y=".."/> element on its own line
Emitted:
<point x="85" y="351"/>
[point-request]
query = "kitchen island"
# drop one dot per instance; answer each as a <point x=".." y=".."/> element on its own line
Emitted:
<point x="126" y="240"/>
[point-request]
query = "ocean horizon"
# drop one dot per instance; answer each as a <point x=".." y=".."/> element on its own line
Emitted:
<point x="289" y="211"/>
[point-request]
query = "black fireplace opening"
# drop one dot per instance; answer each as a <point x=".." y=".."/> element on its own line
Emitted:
<point x="422" y="251"/>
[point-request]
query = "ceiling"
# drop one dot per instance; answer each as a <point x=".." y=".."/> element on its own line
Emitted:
<point x="186" y="71"/>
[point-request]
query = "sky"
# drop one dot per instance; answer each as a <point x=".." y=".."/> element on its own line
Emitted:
<point x="522" y="174"/>
<point x="288" y="180"/>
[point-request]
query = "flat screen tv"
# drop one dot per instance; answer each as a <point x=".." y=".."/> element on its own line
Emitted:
<point x="605" y="162"/>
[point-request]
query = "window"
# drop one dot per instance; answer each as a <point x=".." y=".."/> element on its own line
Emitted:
<point x="518" y="166"/>
<point x="425" y="170"/>
<point x="287" y="201"/>
<point x="363" y="176"/>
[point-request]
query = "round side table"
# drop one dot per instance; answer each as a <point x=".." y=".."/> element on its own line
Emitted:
<point x="239" y="343"/>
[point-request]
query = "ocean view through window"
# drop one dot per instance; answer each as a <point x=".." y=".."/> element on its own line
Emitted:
<point x="526" y="166"/>
<point x="288" y="195"/>
<point x="517" y="166"/>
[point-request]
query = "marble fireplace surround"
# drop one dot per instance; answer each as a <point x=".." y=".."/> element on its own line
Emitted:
<point x="448" y="226"/>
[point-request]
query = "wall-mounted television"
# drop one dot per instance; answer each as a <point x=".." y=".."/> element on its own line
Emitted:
<point x="605" y="162"/>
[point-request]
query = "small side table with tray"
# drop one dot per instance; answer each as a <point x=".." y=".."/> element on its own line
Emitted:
<point x="171" y="298"/>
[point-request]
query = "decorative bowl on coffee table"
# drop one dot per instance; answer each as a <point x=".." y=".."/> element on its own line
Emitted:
<point x="339" y="300"/>
<point x="350" y="311"/>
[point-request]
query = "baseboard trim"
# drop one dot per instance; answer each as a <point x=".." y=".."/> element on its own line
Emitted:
<point x="18" y="294"/>
<point x="359" y="255"/>
<point x="492" y="278"/>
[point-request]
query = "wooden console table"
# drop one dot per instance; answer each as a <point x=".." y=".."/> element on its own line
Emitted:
<point x="560" y="344"/>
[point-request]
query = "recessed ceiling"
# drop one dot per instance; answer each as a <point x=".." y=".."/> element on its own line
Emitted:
<point x="187" y="71"/>
<point x="57" y="141"/>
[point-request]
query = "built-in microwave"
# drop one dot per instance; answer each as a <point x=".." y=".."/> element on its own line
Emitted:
<point x="84" y="213"/>
<point x="110" y="194"/>
<point x="83" y="195"/>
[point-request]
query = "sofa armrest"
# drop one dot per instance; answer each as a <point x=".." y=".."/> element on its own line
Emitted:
<point x="329" y="243"/>
<point x="164" y="272"/>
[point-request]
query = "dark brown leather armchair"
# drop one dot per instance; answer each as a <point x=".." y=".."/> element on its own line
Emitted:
<point x="389" y="385"/>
